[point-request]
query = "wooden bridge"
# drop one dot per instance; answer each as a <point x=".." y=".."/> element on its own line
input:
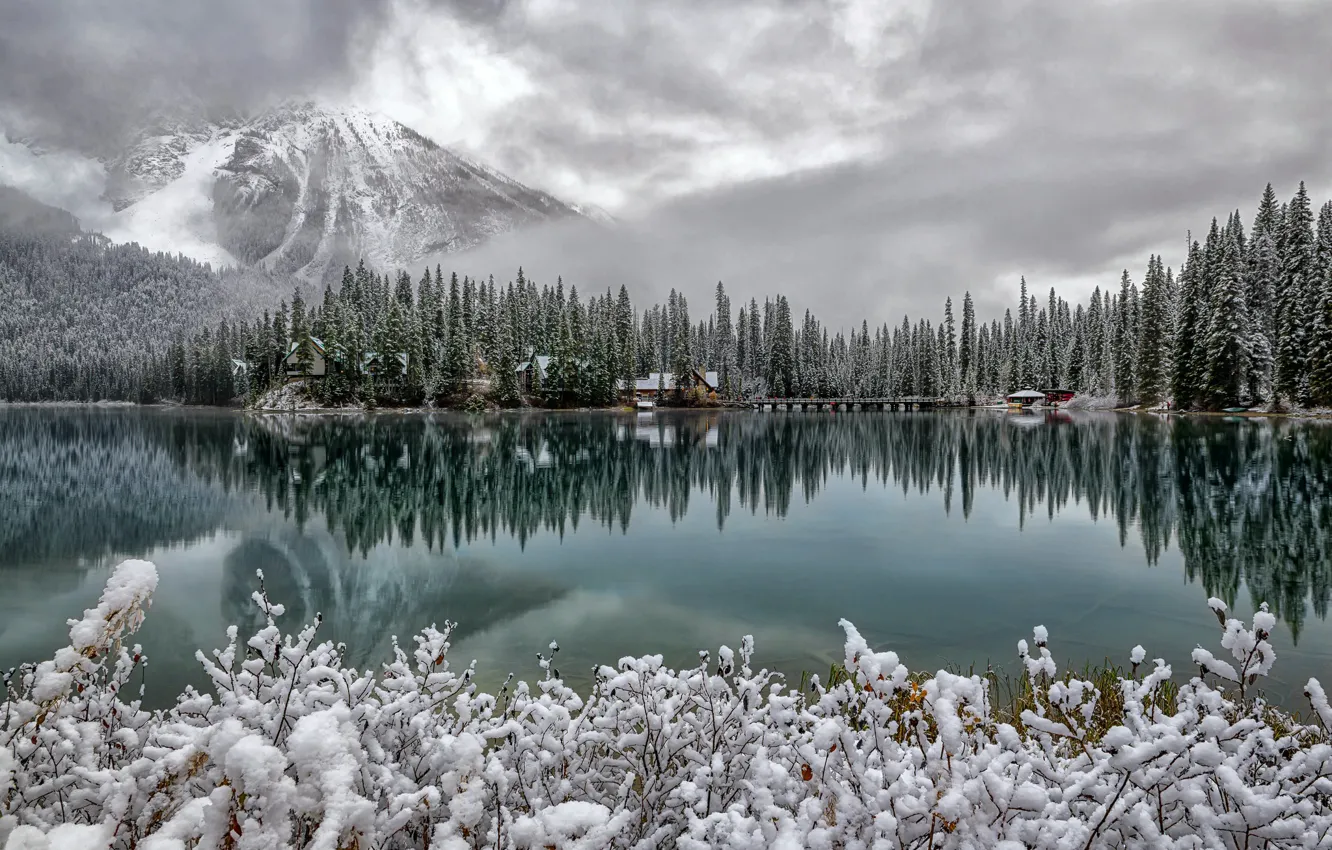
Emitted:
<point x="846" y="403"/>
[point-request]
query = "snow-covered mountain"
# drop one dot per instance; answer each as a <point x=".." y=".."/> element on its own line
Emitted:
<point x="304" y="188"/>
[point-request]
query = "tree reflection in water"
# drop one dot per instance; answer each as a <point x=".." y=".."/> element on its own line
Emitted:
<point x="1245" y="502"/>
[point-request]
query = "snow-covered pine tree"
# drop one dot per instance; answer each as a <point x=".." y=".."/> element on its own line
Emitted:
<point x="758" y="346"/>
<point x="1294" y="308"/>
<point x="951" y="379"/>
<point x="1320" y="367"/>
<point x="454" y="370"/>
<point x="1126" y="354"/>
<point x="627" y="368"/>
<point x="1187" y="382"/>
<point x="505" y="374"/>
<point x="967" y="345"/>
<point x="781" y="361"/>
<point x="1075" y="374"/>
<point x="1153" y="336"/>
<point x="1228" y="330"/>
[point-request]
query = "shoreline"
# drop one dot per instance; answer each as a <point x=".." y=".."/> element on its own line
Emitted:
<point x="527" y="409"/>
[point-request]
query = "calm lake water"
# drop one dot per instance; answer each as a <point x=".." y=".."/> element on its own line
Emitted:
<point x="943" y="536"/>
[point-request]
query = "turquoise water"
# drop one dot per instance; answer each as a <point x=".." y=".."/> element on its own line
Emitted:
<point x="944" y="536"/>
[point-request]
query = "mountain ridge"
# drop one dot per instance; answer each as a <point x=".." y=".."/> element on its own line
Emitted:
<point x="304" y="188"/>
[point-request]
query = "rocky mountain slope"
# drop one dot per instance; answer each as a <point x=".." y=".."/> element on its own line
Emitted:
<point x="304" y="188"/>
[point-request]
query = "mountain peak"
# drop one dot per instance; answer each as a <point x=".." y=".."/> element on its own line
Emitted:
<point x="304" y="187"/>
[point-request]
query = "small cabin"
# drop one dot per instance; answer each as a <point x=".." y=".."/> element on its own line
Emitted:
<point x="1024" y="398"/>
<point x="374" y="363"/>
<point x="306" y="358"/>
<point x="648" y="387"/>
<point x="530" y="370"/>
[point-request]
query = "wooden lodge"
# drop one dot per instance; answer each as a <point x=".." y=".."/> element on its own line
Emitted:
<point x="530" y="370"/>
<point x="655" y="381"/>
<point x="374" y="363"/>
<point x="306" y="358"/>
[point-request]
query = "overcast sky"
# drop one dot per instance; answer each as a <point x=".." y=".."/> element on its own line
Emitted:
<point x="867" y="158"/>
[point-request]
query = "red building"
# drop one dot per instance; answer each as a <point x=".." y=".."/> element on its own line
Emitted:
<point x="1057" y="396"/>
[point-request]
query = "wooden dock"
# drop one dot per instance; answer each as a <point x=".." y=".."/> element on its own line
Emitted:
<point x="847" y="403"/>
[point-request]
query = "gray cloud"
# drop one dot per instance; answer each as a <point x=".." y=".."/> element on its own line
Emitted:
<point x="1060" y="141"/>
<point x="82" y="71"/>
<point x="881" y="163"/>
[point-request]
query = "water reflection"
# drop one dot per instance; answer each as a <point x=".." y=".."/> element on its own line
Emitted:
<point x="1245" y="502"/>
<point x="365" y="602"/>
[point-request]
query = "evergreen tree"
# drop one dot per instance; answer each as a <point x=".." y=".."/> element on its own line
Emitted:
<point x="1187" y="383"/>
<point x="1153" y="336"/>
<point x="725" y="356"/>
<point x="624" y="331"/>
<point x="781" y="361"/>
<point x="1125" y="344"/>
<point x="1294" y="310"/>
<point x="951" y="382"/>
<point x="1320" y="367"/>
<point x="1228" y="331"/>
<point x="455" y="370"/>
<point x="967" y="347"/>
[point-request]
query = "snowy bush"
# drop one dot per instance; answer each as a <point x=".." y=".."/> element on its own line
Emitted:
<point x="293" y="748"/>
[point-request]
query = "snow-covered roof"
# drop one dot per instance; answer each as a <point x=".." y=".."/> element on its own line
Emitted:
<point x="1026" y="394"/>
<point x="295" y="344"/>
<point x="543" y="361"/>
<point x="651" y="382"/>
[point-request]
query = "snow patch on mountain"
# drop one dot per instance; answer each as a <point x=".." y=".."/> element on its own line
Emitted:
<point x="178" y="215"/>
<point x="304" y="188"/>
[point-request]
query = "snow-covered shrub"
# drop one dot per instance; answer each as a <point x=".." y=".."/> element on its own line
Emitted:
<point x="294" y="748"/>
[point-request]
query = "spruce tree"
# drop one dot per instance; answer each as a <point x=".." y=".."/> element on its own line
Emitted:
<point x="725" y="358"/>
<point x="1320" y="369"/>
<point x="1125" y="343"/>
<point x="505" y="374"/>
<point x="1153" y="336"/>
<point x="455" y="369"/>
<point x="951" y="381"/>
<point x="1294" y="310"/>
<point x="781" y="361"/>
<point x="1186" y="385"/>
<point x="624" y="331"/>
<point x="1228" y="331"/>
<point x="967" y="347"/>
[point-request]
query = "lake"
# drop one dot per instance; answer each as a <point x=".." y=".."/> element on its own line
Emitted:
<point x="945" y="536"/>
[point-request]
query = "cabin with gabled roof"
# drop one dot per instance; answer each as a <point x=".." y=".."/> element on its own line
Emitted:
<point x="655" y="381"/>
<point x="306" y="358"/>
<point x="529" y="370"/>
<point x="374" y="363"/>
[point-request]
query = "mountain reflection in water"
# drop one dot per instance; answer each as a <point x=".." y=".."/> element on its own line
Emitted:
<point x="385" y="523"/>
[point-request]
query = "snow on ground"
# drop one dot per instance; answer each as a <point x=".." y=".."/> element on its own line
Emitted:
<point x="1092" y="402"/>
<point x="292" y="396"/>
<point x="178" y="218"/>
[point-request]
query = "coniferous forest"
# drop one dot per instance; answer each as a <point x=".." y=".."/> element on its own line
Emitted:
<point x="1246" y="320"/>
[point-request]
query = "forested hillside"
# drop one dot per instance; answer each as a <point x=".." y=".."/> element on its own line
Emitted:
<point x="1246" y="320"/>
<point x="85" y="320"/>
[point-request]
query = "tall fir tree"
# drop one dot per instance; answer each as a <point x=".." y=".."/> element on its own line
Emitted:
<point x="1126" y="353"/>
<point x="1294" y="310"/>
<point x="1320" y="367"/>
<point x="1229" y="331"/>
<point x="1187" y="382"/>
